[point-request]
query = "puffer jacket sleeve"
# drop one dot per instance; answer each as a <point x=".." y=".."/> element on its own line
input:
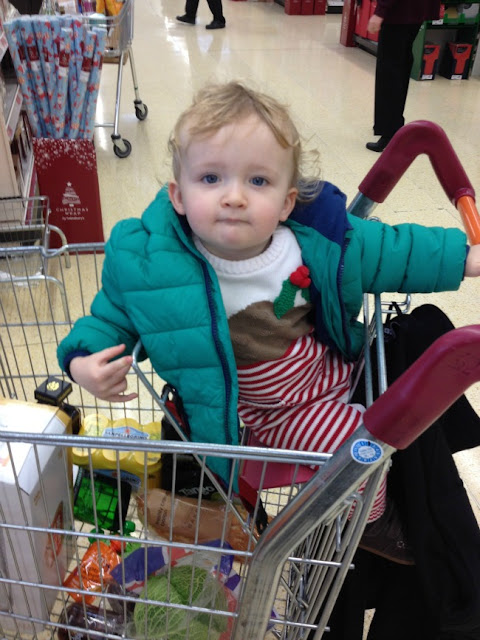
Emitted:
<point x="408" y="258"/>
<point x="108" y="324"/>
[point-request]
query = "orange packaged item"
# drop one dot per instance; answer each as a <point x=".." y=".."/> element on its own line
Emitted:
<point x="162" y="508"/>
<point x="99" y="554"/>
<point x="113" y="7"/>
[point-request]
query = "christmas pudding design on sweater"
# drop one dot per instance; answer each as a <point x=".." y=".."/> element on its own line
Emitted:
<point x="266" y="299"/>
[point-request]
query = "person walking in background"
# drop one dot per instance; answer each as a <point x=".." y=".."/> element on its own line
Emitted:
<point x="190" y="15"/>
<point x="398" y="22"/>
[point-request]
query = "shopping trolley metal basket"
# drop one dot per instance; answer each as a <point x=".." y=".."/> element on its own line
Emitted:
<point x="26" y="221"/>
<point x="135" y="545"/>
<point x="118" y="49"/>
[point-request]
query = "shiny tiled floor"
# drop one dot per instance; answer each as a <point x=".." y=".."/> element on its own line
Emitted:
<point x="300" y="60"/>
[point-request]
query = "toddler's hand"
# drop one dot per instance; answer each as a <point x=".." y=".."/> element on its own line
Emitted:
<point x="103" y="376"/>
<point x="472" y="265"/>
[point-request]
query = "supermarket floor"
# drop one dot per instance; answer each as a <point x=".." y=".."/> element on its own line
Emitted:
<point x="329" y="88"/>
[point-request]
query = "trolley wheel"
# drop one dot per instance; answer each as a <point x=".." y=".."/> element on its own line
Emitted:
<point x="141" y="110"/>
<point x="122" y="148"/>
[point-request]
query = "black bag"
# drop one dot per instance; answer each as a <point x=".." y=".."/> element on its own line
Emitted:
<point x="185" y="476"/>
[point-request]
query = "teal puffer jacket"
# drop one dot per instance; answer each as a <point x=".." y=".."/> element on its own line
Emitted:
<point x="157" y="287"/>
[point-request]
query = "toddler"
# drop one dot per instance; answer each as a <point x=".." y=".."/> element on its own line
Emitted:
<point x="244" y="280"/>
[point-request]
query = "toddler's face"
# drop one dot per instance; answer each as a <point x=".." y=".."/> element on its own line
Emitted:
<point x="234" y="188"/>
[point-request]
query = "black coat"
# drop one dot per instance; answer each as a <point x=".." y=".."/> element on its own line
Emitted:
<point x="439" y="597"/>
<point x="407" y="11"/>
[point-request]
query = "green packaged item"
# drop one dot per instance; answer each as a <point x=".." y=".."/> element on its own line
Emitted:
<point x="102" y="500"/>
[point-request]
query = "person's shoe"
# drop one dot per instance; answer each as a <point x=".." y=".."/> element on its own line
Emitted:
<point x="215" y="24"/>
<point x="386" y="537"/>
<point x="379" y="145"/>
<point x="186" y="19"/>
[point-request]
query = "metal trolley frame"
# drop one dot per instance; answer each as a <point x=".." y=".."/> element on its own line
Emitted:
<point x="287" y="577"/>
<point x="118" y="50"/>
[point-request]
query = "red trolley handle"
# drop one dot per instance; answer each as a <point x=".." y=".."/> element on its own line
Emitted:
<point x="409" y="142"/>
<point x="427" y="389"/>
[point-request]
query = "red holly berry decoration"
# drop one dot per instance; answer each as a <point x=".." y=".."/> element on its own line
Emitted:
<point x="300" y="277"/>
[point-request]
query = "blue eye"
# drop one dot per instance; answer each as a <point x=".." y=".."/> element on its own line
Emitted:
<point x="210" y="178"/>
<point x="258" y="182"/>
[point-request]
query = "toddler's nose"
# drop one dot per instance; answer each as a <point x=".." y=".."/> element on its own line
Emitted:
<point x="234" y="195"/>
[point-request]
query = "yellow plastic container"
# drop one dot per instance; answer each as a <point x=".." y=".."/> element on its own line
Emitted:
<point x="134" y="462"/>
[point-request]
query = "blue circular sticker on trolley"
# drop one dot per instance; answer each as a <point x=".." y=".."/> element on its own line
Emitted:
<point x="366" y="451"/>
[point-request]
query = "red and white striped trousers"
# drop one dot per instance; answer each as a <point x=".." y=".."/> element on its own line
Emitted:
<point x="299" y="402"/>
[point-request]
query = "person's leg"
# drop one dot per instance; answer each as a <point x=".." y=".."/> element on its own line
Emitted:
<point x="389" y="588"/>
<point x="217" y="12"/>
<point x="392" y="75"/>
<point x="400" y="606"/>
<point x="358" y="593"/>
<point x="191" y="7"/>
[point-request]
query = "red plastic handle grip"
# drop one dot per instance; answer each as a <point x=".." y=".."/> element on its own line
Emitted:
<point x="427" y="389"/>
<point x="409" y="142"/>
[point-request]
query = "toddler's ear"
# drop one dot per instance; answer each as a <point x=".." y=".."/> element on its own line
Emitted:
<point x="175" y="196"/>
<point x="290" y="201"/>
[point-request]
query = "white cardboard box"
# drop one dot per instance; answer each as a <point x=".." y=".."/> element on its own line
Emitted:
<point x="35" y="489"/>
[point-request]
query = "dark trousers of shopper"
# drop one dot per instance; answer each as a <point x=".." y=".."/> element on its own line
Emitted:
<point x="392" y="75"/>
<point x="215" y="7"/>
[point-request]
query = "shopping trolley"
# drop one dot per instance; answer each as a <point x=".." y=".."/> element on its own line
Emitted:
<point x="24" y="221"/>
<point x="118" y="49"/>
<point x="101" y="554"/>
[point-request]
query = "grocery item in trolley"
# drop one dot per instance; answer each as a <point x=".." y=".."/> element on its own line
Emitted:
<point x="186" y="578"/>
<point x="133" y="464"/>
<point x="186" y="520"/>
<point x="101" y="500"/>
<point x="93" y="573"/>
<point x="34" y="496"/>
<point x="90" y="618"/>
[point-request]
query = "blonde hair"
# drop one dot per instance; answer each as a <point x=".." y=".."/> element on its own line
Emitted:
<point x="218" y="105"/>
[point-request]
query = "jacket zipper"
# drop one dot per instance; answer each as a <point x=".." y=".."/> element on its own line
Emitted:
<point x="348" y="342"/>
<point x="220" y="351"/>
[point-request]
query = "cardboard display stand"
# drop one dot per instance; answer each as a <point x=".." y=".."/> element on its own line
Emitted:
<point x="67" y="174"/>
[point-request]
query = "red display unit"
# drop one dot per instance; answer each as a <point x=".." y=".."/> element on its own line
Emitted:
<point x="370" y="35"/>
<point x="347" y="27"/>
<point x="455" y="62"/>
<point x="307" y="7"/>
<point x="361" y="18"/>
<point x="431" y="53"/>
<point x="293" y="7"/>
<point x="319" y="7"/>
